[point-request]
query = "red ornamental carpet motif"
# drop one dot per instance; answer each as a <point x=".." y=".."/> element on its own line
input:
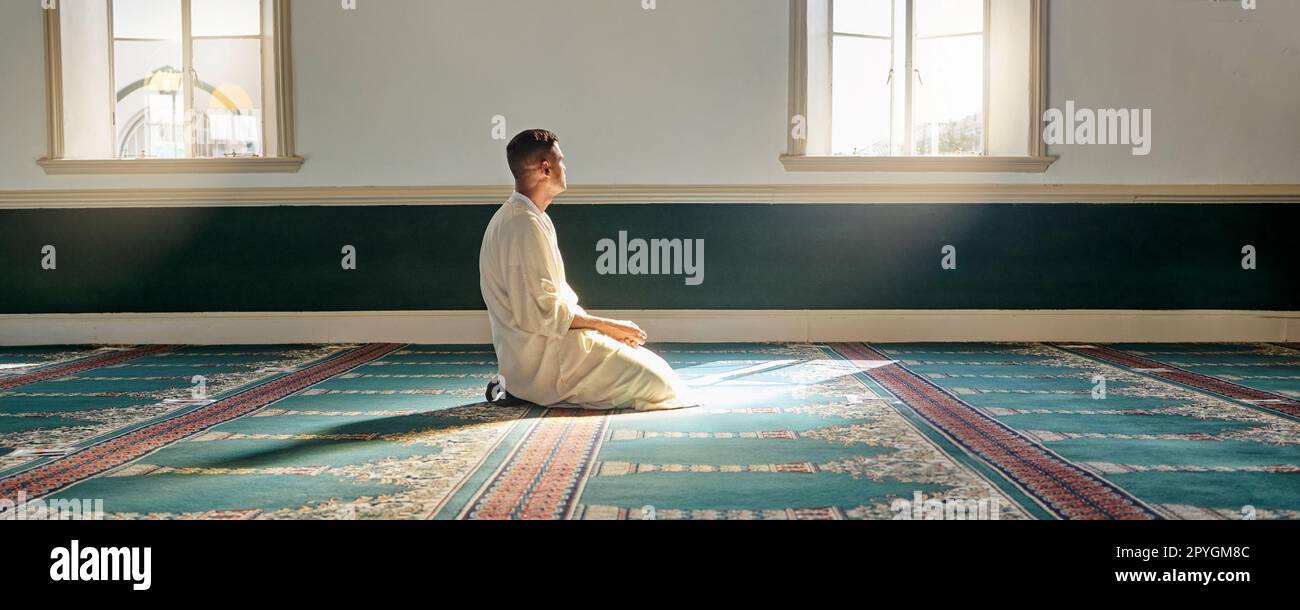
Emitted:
<point x="542" y="478"/>
<point x="84" y="364"/>
<point x="1264" y="400"/>
<point x="1065" y="489"/>
<point x="109" y="454"/>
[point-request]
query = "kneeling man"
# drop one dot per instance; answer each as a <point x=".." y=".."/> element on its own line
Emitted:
<point x="549" y="349"/>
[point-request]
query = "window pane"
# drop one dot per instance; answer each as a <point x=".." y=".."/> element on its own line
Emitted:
<point x="871" y="17"/>
<point x="147" y="19"/>
<point x="860" y="98"/>
<point x="150" y="100"/>
<point x="948" y="98"/>
<point x="228" y="97"/>
<point x="226" y="17"/>
<point x="945" y="17"/>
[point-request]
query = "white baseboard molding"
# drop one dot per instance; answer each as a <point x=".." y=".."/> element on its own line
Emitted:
<point x="673" y="326"/>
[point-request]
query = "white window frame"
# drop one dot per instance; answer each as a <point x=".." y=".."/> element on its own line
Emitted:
<point x="797" y="158"/>
<point x="286" y="159"/>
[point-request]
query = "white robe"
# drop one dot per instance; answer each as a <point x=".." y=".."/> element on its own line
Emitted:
<point x="531" y="308"/>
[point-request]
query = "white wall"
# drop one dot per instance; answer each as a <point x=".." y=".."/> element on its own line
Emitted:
<point x="1009" y="77"/>
<point x="401" y="92"/>
<point x="1223" y="84"/>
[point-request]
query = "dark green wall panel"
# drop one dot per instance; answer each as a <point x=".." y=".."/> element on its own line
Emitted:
<point x="1021" y="256"/>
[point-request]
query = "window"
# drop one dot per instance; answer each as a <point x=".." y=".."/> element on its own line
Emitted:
<point x="875" y="114"/>
<point x="916" y="85"/>
<point x="150" y="86"/>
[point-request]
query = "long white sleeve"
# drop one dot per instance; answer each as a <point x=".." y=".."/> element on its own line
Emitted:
<point x="540" y="300"/>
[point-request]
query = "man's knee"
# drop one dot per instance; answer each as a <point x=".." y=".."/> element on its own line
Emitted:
<point x="664" y="378"/>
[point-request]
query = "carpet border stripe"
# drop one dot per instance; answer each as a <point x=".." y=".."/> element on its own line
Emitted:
<point x="1028" y="502"/>
<point x="1064" y="488"/>
<point x="1220" y="388"/>
<point x="530" y="484"/>
<point x="117" y="451"/>
<point x="452" y="505"/>
<point x="82" y="364"/>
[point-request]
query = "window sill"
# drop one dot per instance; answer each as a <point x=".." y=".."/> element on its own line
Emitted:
<point x="845" y="163"/>
<point x="246" y="165"/>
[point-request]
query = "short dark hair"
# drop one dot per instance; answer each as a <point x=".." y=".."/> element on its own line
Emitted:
<point x="527" y="146"/>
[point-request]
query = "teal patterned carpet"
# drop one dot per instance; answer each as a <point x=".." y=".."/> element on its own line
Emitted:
<point x="787" y="431"/>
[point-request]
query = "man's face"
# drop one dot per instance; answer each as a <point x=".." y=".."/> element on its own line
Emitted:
<point x="559" y="177"/>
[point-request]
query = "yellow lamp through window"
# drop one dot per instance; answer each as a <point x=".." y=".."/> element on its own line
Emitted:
<point x="231" y="97"/>
<point x="165" y="81"/>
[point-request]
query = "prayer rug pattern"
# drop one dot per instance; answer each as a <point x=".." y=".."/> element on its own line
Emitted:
<point x="786" y="431"/>
<point x="56" y="400"/>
